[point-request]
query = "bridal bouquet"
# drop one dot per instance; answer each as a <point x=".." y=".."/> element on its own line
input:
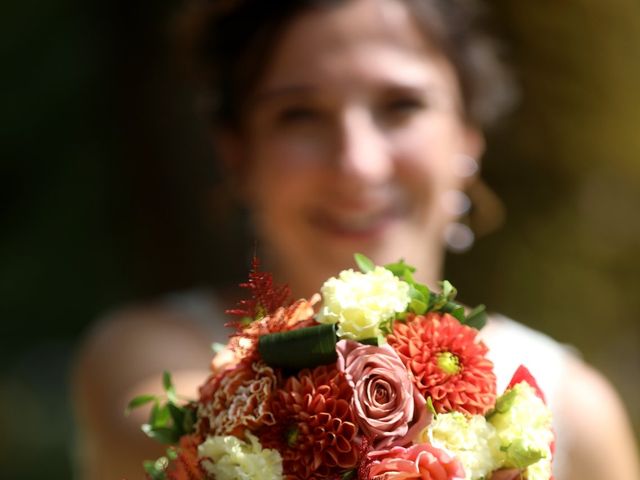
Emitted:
<point x="378" y="378"/>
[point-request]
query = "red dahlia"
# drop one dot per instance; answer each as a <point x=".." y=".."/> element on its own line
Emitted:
<point x="315" y="431"/>
<point x="448" y="362"/>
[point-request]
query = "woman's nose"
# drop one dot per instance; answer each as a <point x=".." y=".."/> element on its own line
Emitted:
<point x="363" y="152"/>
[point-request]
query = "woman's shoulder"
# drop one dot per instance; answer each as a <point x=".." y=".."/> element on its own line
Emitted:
<point x="576" y="393"/>
<point x="512" y="344"/>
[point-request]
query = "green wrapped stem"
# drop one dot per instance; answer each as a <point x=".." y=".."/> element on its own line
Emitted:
<point x="297" y="349"/>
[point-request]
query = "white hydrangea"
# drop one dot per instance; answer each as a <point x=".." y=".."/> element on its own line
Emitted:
<point x="525" y="433"/>
<point x="229" y="458"/>
<point x="472" y="440"/>
<point x="359" y="302"/>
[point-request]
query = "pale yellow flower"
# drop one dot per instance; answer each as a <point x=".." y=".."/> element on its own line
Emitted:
<point x="229" y="458"/>
<point x="360" y="302"/>
<point x="524" y="431"/>
<point x="472" y="440"/>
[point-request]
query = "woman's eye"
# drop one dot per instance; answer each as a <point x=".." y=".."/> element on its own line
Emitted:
<point x="403" y="105"/>
<point x="298" y="115"/>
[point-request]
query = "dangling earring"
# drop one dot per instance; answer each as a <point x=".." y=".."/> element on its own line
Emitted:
<point x="458" y="235"/>
<point x="478" y="210"/>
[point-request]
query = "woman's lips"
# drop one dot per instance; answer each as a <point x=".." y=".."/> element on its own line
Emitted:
<point x="366" y="225"/>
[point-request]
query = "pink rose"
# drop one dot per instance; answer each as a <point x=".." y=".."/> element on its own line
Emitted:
<point x="422" y="461"/>
<point x="388" y="408"/>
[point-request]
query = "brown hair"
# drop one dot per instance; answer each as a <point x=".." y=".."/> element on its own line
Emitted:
<point x="229" y="42"/>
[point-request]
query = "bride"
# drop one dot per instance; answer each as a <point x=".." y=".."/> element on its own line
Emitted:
<point x="345" y="126"/>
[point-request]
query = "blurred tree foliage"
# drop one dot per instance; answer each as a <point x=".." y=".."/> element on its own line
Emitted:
<point x="567" y="167"/>
<point x="108" y="193"/>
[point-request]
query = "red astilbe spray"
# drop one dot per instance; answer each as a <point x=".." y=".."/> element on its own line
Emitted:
<point x="266" y="297"/>
<point x="269" y="310"/>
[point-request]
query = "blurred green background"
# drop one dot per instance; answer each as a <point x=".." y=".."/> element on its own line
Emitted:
<point x="108" y="193"/>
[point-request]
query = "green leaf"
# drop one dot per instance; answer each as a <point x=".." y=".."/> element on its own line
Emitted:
<point x="418" y="307"/>
<point x="189" y="420"/>
<point x="349" y="475"/>
<point x="139" y="401"/>
<point x="155" y="469"/>
<point x="370" y="341"/>
<point x="477" y="318"/>
<point x="364" y="263"/>
<point x="520" y="455"/>
<point x="423" y="289"/>
<point x="177" y="416"/>
<point x="430" y="406"/>
<point x="458" y="313"/>
<point x="302" y="348"/>
<point x="416" y="294"/>
<point x="399" y="268"/>
<point x="407" y="276"/>
<point x="160" y="416"/>
<point x="506" y="401"/>
<point x="172" y="453"/>
<point x="161" y="434"/>
<point x="449" y="292"/>
<point x="168" y="387"/>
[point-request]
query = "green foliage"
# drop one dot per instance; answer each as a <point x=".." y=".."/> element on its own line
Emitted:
<point x="168" y="420"/>
<point x="364" y="263"/>
<point x="156" y="469"/>
<point x="503" y="403"/>
<point x="430" y="406"/>
<point x="422" y="300"/>
<point x="138" y="402"/>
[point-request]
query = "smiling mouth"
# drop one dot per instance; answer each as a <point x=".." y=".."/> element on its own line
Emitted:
<point x="356" y="226"/>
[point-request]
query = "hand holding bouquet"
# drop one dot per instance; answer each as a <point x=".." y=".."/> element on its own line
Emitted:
<point x="379" y="378"/>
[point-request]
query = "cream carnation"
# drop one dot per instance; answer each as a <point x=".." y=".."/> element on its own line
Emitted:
<point x="229" y="458"/>
<point x="524" y="430"/>
<point x="360" y="302"/>
<point x="472" y="440"/>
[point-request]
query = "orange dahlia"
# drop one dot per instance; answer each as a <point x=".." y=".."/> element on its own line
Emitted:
<point x="447" y="361"/>
<point x="236" y="399"/>
<point x="315" y="431"/>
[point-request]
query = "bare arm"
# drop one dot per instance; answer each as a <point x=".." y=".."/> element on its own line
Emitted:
<point x="124" y="357"/>
<point x="601" y="444"/>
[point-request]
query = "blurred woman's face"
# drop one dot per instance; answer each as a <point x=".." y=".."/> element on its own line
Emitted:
<point x="351" y="142"/>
